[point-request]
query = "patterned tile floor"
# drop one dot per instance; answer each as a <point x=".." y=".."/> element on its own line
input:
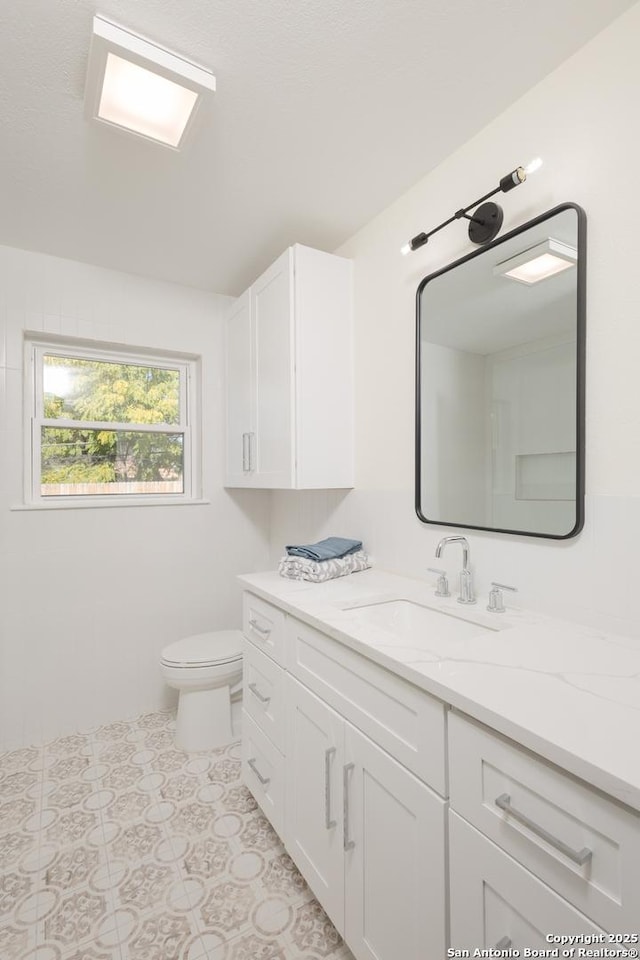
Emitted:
<point x="115" y="845"/>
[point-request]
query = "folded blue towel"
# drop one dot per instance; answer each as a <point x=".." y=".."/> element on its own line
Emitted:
<point x="328" y="549"/>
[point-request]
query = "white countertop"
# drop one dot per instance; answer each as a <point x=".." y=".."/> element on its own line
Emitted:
<point x="567" y="692"/>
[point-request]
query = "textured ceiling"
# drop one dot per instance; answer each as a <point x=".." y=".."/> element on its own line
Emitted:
<point x="326" y="110"/>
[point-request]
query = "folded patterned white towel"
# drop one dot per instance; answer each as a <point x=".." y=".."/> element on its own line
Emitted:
<point x="317" y="571"/>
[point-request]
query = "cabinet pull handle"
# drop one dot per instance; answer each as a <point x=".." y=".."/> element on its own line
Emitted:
<point x="265" y="781"/>
<point x="576" y="856"/>
<point x="346" y="842"/>
<point x="262" y="631"/>
<point x="246" y="461"/>
<point x="503" y="944"/>
<point x="254" y="690"/>
<point x="328" y="822"/>
<point x="251" y="437"/>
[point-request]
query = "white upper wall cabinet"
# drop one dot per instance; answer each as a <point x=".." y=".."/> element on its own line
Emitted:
<point x="289" y="366"/>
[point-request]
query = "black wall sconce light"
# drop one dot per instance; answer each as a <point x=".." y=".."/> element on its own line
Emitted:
<point x="485" y="223"/>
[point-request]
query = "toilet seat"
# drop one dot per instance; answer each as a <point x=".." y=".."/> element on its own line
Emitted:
<point x="204" y="650"/>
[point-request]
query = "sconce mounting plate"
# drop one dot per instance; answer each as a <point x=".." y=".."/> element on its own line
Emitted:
<point x="486" y="223"/>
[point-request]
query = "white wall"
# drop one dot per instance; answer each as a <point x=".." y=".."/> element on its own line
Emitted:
<point x="89" y="597"/>
<point x="581" y="120"/>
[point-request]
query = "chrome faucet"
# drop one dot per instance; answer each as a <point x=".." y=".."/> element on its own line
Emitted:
<point x="466" y="577"/>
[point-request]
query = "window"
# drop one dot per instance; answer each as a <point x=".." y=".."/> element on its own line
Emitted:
<point x="110" y="425"/>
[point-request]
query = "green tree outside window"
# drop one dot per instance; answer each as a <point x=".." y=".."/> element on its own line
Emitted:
<point x="103" y="392"/>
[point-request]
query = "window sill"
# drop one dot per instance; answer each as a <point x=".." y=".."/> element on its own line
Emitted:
<point x="99" y="504"/>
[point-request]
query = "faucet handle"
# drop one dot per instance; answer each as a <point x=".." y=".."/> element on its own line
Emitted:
<point x="496" y="600"/>
<point x="442" y="587"/>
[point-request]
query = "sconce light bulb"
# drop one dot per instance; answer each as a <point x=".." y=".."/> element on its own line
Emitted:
<point x="533" y="165"/>
<point x="519" y="175"/>
<point x="418" y="241"/>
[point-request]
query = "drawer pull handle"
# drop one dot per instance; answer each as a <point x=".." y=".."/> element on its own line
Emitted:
<point x="265" y="781"/>
<point x="576" y="856"/>
<point x="259" y="696"/>
<point x="262" y="631"/>
<point x="328" y="822"/>
<point x="503" y="944"/>
<point x="346" y="842"/>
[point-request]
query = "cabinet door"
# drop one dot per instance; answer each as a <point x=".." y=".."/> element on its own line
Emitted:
<point x="240" y="393"/>
<point x="273" y="318"/>
<point x="496" y="902"/>
<point x="324" y="369"/>
<point x="395" y="857"/>
<point x="313" y="796"/>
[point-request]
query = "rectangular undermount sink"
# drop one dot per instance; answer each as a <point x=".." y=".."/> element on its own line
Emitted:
<point x="408" y="620"/>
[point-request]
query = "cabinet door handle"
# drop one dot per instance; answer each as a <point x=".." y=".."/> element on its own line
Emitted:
<point x="259" y="696"/>
<point x="576" y="856"/>
<point x="262" y="631"/>
<point x="245" y="453"/>
<point x="251" y="446"/>
<point x="503" y="944"/>
<point x="328" y="822"/>
<point x="346" y="842"/>
<point x="265" y="781"/>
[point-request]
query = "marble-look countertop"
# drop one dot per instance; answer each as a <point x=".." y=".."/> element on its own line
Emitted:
<point x="565" y="691"/>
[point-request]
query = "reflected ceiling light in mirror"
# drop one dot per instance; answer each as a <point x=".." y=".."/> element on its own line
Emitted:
<point x="544" y="260"/>
<point x="139" y="87"/>
<point x="485" y="223"/>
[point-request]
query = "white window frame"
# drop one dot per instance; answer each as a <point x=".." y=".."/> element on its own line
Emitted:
<point x="188" y="367"/>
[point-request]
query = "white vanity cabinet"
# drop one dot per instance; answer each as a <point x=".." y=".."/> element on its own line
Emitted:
<point x="365" y="831"/>
<point x="289" y="376"/>
<point x="364" y="785"/>
<point x="420" y="829"/>
<point x="533" y="851"/>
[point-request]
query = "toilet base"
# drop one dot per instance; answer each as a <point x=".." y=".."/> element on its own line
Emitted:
<point x="204" y="719"/>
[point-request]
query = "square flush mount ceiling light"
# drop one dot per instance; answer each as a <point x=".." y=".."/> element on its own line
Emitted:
<point x="539" y="262"/>
<point x="140" y="87"/>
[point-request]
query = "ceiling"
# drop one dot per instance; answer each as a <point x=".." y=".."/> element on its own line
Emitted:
<point x="326" y="111"/>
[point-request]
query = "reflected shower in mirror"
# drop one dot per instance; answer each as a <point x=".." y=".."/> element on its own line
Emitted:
<point x="500" y="383"/>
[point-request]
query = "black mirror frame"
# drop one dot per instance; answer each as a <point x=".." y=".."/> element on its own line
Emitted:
<point x="580" y="373"/>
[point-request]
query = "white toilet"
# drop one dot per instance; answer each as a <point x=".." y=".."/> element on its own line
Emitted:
<point x="204" y="668"/>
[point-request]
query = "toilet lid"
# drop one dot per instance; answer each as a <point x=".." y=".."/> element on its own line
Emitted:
<point x="204" y="649"/>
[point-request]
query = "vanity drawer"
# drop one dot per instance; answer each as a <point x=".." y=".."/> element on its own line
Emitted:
<point x="548" y="821"/>
<point x="264" y="624"/>
<point x="263" y="772"/>
<point x="405" y="721"/>
<point x="263" y="696"/>
<point x="496" y="903"/>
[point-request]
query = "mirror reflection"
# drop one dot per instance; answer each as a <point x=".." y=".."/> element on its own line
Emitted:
<point x="500" y="383"/>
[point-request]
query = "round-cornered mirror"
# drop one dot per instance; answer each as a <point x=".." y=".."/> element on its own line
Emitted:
<point x="500" y="352"/>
